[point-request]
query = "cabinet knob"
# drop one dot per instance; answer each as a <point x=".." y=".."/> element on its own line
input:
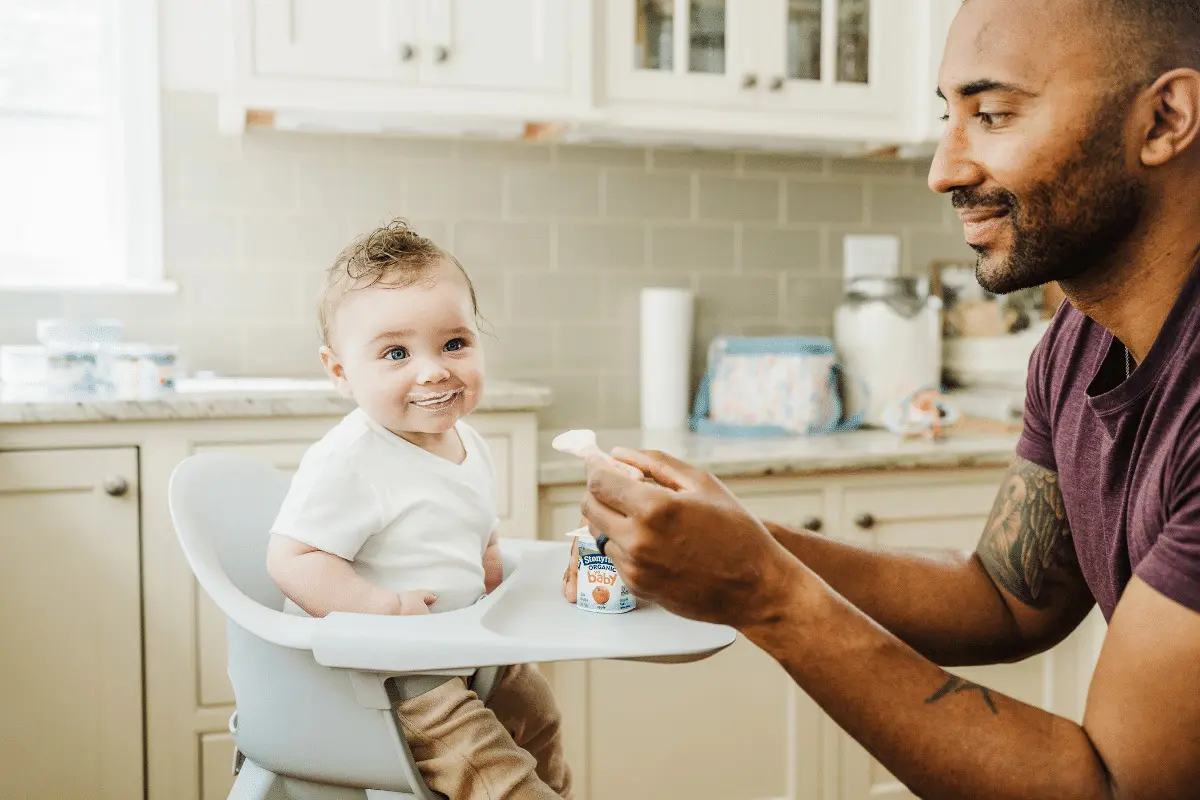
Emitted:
<point x="441" y="54"/>
<point x="116" y="486"/>
<point x="865" y="521"/>
<point x="407" y="52"/>
<point x="813" y="524"/>
<point x="749" y="81"/>
<point x="776" y="84"/>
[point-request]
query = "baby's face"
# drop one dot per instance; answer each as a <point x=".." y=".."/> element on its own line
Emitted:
<point x="410" y="357"/>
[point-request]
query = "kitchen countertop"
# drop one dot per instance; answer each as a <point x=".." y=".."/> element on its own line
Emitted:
<point x="224" y="398"/>
<point x="802" y="455"/>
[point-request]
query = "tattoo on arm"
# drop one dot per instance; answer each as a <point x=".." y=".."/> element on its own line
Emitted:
<point x="956" y="685"/>
<point x="1027" y="535"/>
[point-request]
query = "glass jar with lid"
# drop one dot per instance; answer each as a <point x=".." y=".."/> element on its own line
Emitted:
<point x="888" y="336"/>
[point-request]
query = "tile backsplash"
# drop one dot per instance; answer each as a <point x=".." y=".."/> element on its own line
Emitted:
<point x="558" y="239"/>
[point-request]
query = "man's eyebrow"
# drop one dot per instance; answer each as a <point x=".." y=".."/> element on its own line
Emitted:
<point x="988" y="85"/>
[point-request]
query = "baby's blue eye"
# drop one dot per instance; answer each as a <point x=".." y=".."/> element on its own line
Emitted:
<point x="456" y="344"/>
<point x="396" y="354"/>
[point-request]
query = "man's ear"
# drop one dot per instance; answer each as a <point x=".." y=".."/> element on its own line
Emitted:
<point x="1173" y="116"/>
<point x="335" y="371"/>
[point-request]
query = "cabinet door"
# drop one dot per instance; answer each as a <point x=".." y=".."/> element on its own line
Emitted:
<point x="834" y="55"/>
<point x="216" y="766"/>
<point x="934" y="513"/>
<point x="496" y="44"/>
<point x="349" y="39"/>
<point x="698" y="53"/>
<point x="70" y="583"/>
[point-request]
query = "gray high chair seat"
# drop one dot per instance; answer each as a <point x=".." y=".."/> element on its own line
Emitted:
<point x="314" y="697"/>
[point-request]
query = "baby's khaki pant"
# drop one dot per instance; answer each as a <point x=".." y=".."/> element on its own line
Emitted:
<point x="509" y="748"/>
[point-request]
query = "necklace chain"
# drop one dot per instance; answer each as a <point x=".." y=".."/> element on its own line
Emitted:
<point x="1128" y="363"/>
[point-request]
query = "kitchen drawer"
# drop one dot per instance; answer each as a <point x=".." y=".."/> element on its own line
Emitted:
<point x="284" y="455"/>
<point x="929" y="515"/>
<point x="792" y="509"/>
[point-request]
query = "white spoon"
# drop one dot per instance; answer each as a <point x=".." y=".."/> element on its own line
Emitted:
<point x="582" y="443"/>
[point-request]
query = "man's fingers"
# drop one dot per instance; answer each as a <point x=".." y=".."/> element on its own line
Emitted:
<point x="602" y="519"/>
<point x="666" y="470"/>
<point x="614" y="488"/>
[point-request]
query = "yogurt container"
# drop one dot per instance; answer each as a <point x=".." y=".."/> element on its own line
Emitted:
<point x="600" y="588"/>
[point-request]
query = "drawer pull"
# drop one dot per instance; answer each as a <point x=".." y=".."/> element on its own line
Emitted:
<point x="116" y="486"/>
<point x="813" y="524"/>
<point x="865" y="521"/>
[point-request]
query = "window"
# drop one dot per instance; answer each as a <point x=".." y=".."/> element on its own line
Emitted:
<point x="80" y="174"/>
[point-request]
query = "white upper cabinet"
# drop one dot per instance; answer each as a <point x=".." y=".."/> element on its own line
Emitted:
<point x="816" y="69"/>
<point x="349" y="39"/>
<point x="485" y="44"/>
<point x="394" y="63"/>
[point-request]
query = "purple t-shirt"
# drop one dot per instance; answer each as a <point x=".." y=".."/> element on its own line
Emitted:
<point x="1127" y="452"/>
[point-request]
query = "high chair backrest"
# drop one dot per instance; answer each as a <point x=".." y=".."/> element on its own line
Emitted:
<point x="294" y="716"/>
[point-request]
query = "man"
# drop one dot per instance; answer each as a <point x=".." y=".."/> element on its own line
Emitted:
<point x="1070" y="153"/>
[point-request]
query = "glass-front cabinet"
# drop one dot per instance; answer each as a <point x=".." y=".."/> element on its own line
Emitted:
<point x="771" y="55"/>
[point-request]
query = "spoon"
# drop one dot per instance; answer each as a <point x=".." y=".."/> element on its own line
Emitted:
<point x="582" y="443"/>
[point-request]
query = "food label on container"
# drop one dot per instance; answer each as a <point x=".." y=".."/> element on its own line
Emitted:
<point x="600" y="587"/>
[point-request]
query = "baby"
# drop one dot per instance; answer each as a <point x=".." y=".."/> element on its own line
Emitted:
<point x="392" y="512"/>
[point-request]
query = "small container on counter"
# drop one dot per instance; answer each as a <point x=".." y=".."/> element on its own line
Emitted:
<point x="139" y="370"/>
<point x="79" y="331"/>
<point x="23" y="364"/>
<point x="72" y="371"/>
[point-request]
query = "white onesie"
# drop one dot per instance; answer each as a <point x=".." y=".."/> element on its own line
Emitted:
<point x="406" y="518"/>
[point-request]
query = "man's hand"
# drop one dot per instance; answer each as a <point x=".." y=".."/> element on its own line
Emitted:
<point x="687" y="543"/>
<point x="570" y="583"/>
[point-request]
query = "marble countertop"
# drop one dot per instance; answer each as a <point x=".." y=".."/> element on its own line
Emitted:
<point x="226" y="398"/>
<point x="742" y="458"/>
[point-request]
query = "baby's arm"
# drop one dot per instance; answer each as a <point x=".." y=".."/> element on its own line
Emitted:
<point x="493" y="564"/>
<point x="321" y="583"/>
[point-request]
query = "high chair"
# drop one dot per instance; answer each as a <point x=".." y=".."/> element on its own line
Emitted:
<point x="314" y="696"/>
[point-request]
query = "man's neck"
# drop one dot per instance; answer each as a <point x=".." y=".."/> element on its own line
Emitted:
<point x="1134" y="293"/>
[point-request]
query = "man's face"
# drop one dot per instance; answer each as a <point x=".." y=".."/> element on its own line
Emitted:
<point x="1034" y="154"/>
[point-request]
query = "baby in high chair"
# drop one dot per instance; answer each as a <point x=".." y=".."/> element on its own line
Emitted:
<point x="393" y="512"/>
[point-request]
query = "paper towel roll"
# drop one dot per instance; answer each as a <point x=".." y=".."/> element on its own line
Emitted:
<point x="666" y="357"/>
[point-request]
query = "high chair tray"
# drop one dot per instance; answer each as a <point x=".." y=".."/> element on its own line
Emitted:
<point x="525" y="620"/>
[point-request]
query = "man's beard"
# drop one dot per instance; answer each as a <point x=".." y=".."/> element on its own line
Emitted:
<point x="1069" y="224"/>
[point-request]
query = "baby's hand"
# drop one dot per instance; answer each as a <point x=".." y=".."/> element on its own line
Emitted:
<point x="571" y="576"/>
<point x="416" y="602"/>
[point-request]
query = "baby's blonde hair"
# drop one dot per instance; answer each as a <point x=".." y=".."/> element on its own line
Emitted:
<point x="393" y="255"/>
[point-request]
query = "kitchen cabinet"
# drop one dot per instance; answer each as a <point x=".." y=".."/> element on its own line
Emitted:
<point x="679" y="730"/>
<point x="71" y="675"/>
<point x="407" y="62"/>
<point x="809" y="68"/>
<point x="120" y="591"/>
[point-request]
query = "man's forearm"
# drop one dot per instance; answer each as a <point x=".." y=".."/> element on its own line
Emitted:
<point x="944" y="606"/>
<point x="944" y="737"/>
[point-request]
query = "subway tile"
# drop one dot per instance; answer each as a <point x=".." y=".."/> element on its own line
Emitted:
<point x="237" y="184"/>
<point x="739" y="296"/>
<point x="621" y="400"/>
<point x="601" y="155"/>
<point x="632" y="193"/>
<point x="782" y="162"/>
<point x="924" y="248"/>
<point x="476" y="151"/>
<point x="492" y="243"/>
<point x="556" y="297"/>
<point x="260" y="294"/>
<point x="351" y="185"/>
<point x="688" y="159"/>
<point x="553" y="191"/>
<point x="198" y="239"/>
<point x="491" y="295"/>
<point x="274" y="241"/>
<point x="906" y="205"/>
<point x="450" y="189"/>
<point x="18" y="305"/>
<point x="741" y="199"/>
<point x="576" y="401"/>
<point x="703" y="247"/>
<point x="135" y="310"/>
<point x="210" y="346"/>
<point x="775" y="248"/>
<point x="372" y="149"/>
<point x="282" y="350"/>
<point x="622" y="294"/>
<point x="869" y="166"/>
<point x="601" y="346"/>
<point x="601" y="246"/>
<point x="825" y="202"/>
<point x="783" y="329"/>
<point x="811" y="301"/>
<point x="516" y="347"/>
